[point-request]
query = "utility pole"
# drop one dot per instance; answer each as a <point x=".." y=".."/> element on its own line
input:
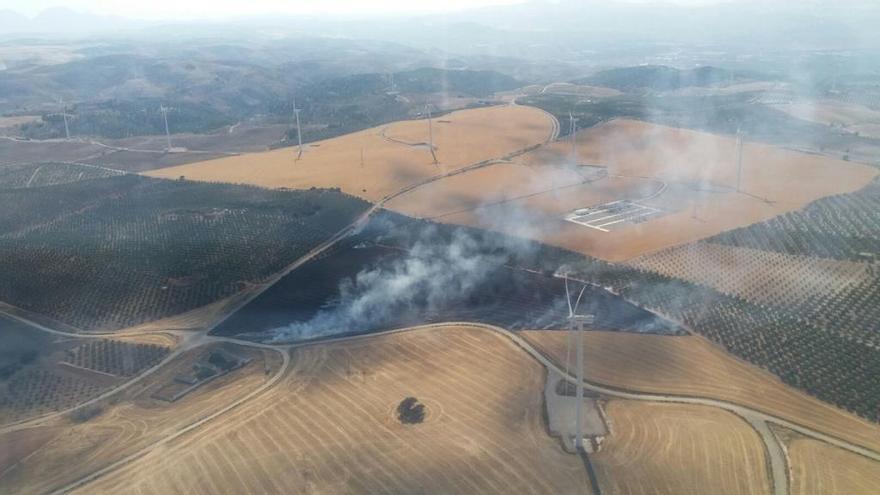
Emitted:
<point x="167" y="132"/>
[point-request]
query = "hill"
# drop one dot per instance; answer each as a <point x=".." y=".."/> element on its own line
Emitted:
<point x="114" y="252"/>
<point x="658" y="78"/>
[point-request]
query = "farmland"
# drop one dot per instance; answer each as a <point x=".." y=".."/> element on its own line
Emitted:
<point x="819" y="468"/>
<point x="49" y="174"/>
<point x="124" y="424"/>
<point x="692" y="366"/>
<point x="689" y="176"/>
<point x="331" y="426"/>
<point x="376" y="162"/>
<point x="120" y="251"/>
<point x="42" y="374"/>
<point x="651" y="443"/>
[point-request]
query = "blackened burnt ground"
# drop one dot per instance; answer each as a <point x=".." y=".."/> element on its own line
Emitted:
<point x="400" y="272"/>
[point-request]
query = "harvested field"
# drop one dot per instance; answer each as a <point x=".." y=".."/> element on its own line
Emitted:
<point x="675" y="449"/>
<point x="131" y="422"/>
<point x="331" y="426"/>
<point x="691" y="365"/>
<point x="688" y="175"/>
<point x="762" y="277"/>
<point x="394" y="156"/>
<point x="821" y="469"/>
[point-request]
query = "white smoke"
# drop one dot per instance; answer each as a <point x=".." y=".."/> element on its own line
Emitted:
<point x="434" y="274"/>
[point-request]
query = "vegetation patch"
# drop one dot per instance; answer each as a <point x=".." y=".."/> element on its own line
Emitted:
<point x="110" y="253"/>
<point x="410" y="411"/>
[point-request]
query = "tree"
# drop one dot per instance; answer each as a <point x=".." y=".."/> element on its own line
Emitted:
<point x="410" y="411"/>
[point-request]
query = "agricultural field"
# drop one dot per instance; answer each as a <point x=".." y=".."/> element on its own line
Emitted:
<point x="49" y="174"/>
<point x="116" y="252"/>
<point x="848" y="117"/>
<point x="695" y="367"/>
<point x="818" y="468"/>
<point x="799" y="351"/>
<point x="124" y="424"/>
<point x="758" y="276"/>
<point x="842" y="227"/>
<point x="376" y="162"/>
<point x="688" y="178"/>
<point x="672" y="448"/>
<point x="42" y="374"/>
<point x="333" y="426"/>
<point x="114" y="357"/>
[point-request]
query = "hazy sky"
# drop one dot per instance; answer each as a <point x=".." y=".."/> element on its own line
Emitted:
<point x="165" y="9"/>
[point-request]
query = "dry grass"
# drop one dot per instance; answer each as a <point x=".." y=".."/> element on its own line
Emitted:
<point x="692" y="366"/>
<point x="330" y="427"/>
<point x="676" y="449"/>
<point x="762" y="277"/>
<point x="62" y="452"/>
<point x="698" y="169"/>
<point x="462" y="138"/>
<point x="821" y="469"/>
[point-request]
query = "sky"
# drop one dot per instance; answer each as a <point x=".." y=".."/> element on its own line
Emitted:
<point x="191" y="9"/>
<point x="165" y="9"/>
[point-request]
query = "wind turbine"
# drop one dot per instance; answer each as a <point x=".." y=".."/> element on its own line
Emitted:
<point x="572" y="125"/>
<point x="299" y="136"/>
<point x="577" y="322"/>
<point x="64" y="116"/>
<point x="431" y="134"/>
<point x="164" y="110"/>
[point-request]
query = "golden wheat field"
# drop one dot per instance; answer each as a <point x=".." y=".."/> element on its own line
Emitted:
<point x="331" y="426"/>
<point x="376" y="162"/>
<point x="693" y="366"/>
<point x="821" y="469"/>
<point x="688" y="175"/>
<point x="676" y="449"/>
<point x="132" y="421"/>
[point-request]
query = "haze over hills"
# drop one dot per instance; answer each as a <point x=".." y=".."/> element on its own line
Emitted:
<point x="364" y="252"/>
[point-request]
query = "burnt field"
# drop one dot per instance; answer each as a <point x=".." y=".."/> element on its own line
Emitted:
<point x="388" y="278"/>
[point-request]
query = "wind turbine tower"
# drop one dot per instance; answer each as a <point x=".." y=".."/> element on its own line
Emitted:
<point x="431" y="134"/>
<point x="299" y="136"/>
<point x="164" y="111"/>
<point x="64" y="116"/>
<point x="576" y="323"/>
<point x="572" y="125"/>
